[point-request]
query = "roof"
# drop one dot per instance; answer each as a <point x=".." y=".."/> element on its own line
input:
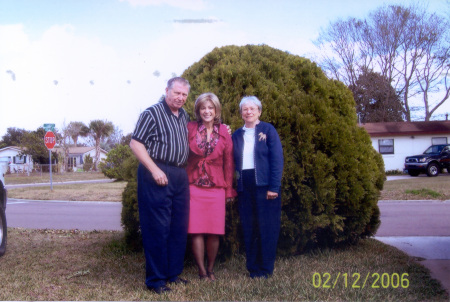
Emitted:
<point x="407" y="128"/>
<point x="12" y="148"/>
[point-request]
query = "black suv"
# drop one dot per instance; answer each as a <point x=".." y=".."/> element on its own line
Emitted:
<point x="432" y="161"/>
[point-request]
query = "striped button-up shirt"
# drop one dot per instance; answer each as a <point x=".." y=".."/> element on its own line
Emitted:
<point x="163" y="134"/>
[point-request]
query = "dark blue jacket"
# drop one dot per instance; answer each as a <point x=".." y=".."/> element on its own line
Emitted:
<point x="268" y="157"/>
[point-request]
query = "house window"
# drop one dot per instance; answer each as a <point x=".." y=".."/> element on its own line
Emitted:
<point x="72" y="162"/>
<point x="439" y="141"/>
<point x="20" y="159"/>
<point x="386" y="146"/>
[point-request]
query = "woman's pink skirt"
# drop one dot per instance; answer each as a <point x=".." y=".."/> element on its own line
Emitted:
<point x="207" y="210"/>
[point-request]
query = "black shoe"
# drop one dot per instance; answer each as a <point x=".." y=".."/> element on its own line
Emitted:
<point x="211" y="276"/>
<point x="179" y="281"/>
<point x="160" y="289"/>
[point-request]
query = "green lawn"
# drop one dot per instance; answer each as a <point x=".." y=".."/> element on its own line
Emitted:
<point x="76" y="265"/>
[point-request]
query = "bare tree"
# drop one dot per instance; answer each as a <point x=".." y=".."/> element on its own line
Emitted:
<point x="406" y="45"/>
<point x="64" y="142"/>
<point x="113" y="139"/>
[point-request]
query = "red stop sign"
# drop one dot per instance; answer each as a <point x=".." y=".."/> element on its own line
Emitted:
<point x="49" y="140"/>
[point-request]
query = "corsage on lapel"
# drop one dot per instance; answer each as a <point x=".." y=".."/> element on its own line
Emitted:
<point x="262" y="136"/>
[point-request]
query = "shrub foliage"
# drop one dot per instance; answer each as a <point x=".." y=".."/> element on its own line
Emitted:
<point x="112" y="167"/>
<point x="88" y="163"/>
<point x="332" y="174"/>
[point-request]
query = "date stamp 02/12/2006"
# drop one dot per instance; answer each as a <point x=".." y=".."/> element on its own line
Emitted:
<point x="355" y="280"/>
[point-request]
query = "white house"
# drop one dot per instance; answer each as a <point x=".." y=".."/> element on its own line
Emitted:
<point x="396" y="140"/>
<point x="77" y="155"/>
<point x="17" y="163"/>
<point x="24" y="163"/>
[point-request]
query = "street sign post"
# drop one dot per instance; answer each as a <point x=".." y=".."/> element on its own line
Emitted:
<point x="50" y="141"/>
<point x="49" y="127"/>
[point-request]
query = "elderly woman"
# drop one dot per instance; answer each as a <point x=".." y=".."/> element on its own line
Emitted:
<point x="258" y="157"/>
<point x="210" y="171"/>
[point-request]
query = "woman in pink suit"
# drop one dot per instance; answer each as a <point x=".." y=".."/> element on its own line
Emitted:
<point x="210" y="171"/>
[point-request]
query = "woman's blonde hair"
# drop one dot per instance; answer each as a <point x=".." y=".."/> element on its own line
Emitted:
<point x="208" y="97"/>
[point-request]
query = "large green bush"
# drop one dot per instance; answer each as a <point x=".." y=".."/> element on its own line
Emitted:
<point x="130" y="210"/>
<point x="112" y="166"/>
<point x="332" y="175"/>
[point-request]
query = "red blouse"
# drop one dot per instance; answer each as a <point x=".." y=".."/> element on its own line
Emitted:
<point x="207" y="148"/>
<point x="211" y="164"/>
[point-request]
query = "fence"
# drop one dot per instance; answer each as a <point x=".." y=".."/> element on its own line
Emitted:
<point x="32" y="169"/>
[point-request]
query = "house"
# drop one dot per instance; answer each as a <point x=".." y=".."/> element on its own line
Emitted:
<point x="24" y="163"/>
<point x="78" y="154"/>
<point x="17" y="163"/>
<point x="396" y="140"/>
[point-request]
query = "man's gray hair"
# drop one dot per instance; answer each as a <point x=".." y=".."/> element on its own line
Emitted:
<point x="179" y="80"/>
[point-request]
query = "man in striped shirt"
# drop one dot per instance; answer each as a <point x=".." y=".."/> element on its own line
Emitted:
<point x="160" y="142"/>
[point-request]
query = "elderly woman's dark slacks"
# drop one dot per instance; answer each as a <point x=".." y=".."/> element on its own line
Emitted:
<point x="260" y="220"/>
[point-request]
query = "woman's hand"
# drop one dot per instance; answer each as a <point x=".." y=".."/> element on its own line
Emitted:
<point x="271" y="195"/>
<point x="228" y="128"/>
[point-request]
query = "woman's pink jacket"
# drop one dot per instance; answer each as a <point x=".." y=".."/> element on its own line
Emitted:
<point x="219" y="164"/>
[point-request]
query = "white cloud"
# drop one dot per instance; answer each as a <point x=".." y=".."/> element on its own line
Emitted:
<point x="125" y="82"/>
<point x="73" y="62"/>
<point x="187" y="43"/>
<point x="15" y="39"/>
<point x="184" y="4"/>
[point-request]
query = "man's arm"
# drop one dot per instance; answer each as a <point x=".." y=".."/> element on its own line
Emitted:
<point x="141" y="153"/>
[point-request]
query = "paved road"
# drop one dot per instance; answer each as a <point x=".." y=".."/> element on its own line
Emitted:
<point x="64" y="215"/>
<point x="414" y="218"/>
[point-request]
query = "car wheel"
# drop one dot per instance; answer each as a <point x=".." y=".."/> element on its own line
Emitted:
<point x="3" y="231"/>
<point x="433" y="170"/>
<point x="413" y="173"/>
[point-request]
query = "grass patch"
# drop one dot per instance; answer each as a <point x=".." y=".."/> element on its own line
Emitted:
<point x="111" y="191"/>
<point x="77" y="265"/>
<point x="24" y="178"/>
<point x="406" y="189"/>
<point x="424" y="193"/>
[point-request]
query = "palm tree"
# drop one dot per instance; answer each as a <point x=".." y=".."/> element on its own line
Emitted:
<point x="76" y="129"/>
<point x="98" y="129"/>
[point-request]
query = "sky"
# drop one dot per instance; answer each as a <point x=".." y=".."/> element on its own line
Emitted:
<point x="83" y="60"/>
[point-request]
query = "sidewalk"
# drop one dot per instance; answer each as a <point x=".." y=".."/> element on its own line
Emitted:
<point x="421" y="229"/>
<point x="431" y="252"/>
<point x="55" y="183"/>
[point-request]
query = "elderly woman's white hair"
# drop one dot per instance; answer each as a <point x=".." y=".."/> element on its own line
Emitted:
<point x="250" y="99"/>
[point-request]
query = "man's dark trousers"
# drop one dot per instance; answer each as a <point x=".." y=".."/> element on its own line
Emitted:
<point x="164" y="217"/>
